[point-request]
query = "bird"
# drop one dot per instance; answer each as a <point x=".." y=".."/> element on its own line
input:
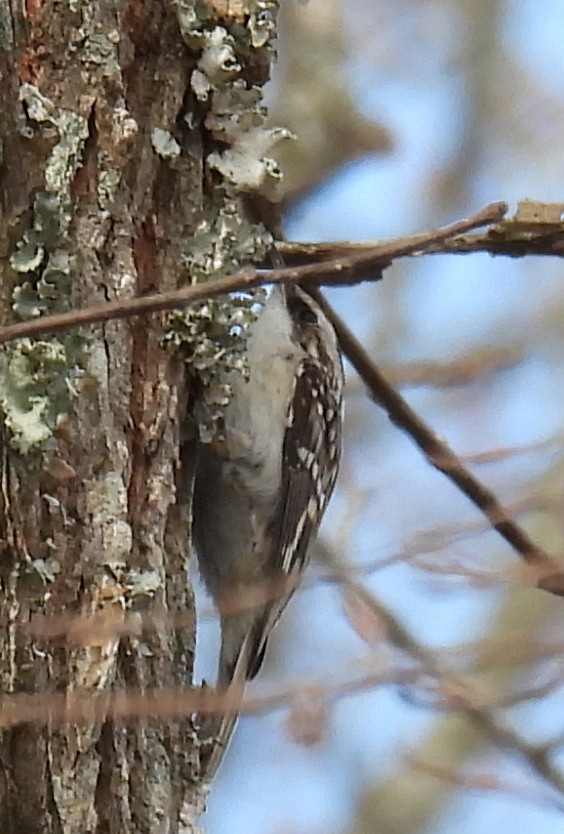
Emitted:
<point x="262" y="487"/>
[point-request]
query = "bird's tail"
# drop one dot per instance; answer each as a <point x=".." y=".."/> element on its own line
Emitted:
<point x="217" y="728"/>
<point x="242" y="652"/>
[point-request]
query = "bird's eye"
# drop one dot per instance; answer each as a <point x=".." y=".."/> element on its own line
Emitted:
<point x="306" y="315"/>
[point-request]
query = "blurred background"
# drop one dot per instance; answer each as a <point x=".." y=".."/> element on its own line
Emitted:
<point x="408" y="115"/>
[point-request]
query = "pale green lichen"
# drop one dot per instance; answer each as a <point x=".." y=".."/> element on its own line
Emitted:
<point x="212" y="337"/>
<point x="100" y="49"/>
<point x="34" y="390"/>
<point x="50" y="221"/>
<point x="236" y="115"/>
<point x="218" y="62"/>
<point x="245" y="165"/>
<point x="191" y="15"/>
<point x="234" y="110"/>
<point x="164" y="143"/>
<point x="213" y="333"/>
<point x="225" y="241"/>
<point x="48" y="569"/>
<point x="49" y="293"/>
<point x="107" y="186"/>
<point x="72" y="129"/>
<point x="29" y="255"/>
<point x="144" y="583"/>
<point x="124" y="131"/>
<point x="262" y="24"/>
<point x="37" y="376"/>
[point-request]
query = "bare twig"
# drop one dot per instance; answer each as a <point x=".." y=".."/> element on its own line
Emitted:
<point x="442" y="457"/>
<point x="76" y="707"/>
<point x="460" y="692"/>
<point x="536" y="229"/>
<point x="342" y="270"/>
<point x="483" y="782"/>
<point x="541" y="243"/>
<point x="460" y="371"/>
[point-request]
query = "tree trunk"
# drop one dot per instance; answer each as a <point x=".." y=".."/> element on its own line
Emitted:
<point x="123" y="129"/>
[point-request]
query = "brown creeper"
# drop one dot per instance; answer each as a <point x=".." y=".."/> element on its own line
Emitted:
<point x="259" y="495"/>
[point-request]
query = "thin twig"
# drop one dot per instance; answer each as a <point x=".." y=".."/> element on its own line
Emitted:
<point x="462" y="694"/>
<point x="512" y="239"/>
<point x="442" y="457"/>
<point x="131" y="704"/>
<point x="483" y="782"/>
<point x="342" y="270"/>
<point x="459" y="371"/>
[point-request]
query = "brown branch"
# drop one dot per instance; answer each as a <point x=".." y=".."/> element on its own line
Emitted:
<point x="342" y="270"/>
<point x="442" y="457"/>
<point x="85" y="706"/>
<point x="536" y="229"/>
<point x="547" y="245"/>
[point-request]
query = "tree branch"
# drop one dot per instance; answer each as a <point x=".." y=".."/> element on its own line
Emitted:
<point x="349" y="269"/>
<point x="442" y="457"/>
<point x="536" y="229"/>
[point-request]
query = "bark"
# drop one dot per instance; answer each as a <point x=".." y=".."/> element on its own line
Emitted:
<point x="118" y="177"/>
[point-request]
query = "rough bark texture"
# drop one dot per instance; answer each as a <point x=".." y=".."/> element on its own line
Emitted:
<point x="106" y="180"/>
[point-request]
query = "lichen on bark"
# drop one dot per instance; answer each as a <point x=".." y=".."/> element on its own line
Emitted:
<point x="234" y="58"/>
<point x="38" y="377"/>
